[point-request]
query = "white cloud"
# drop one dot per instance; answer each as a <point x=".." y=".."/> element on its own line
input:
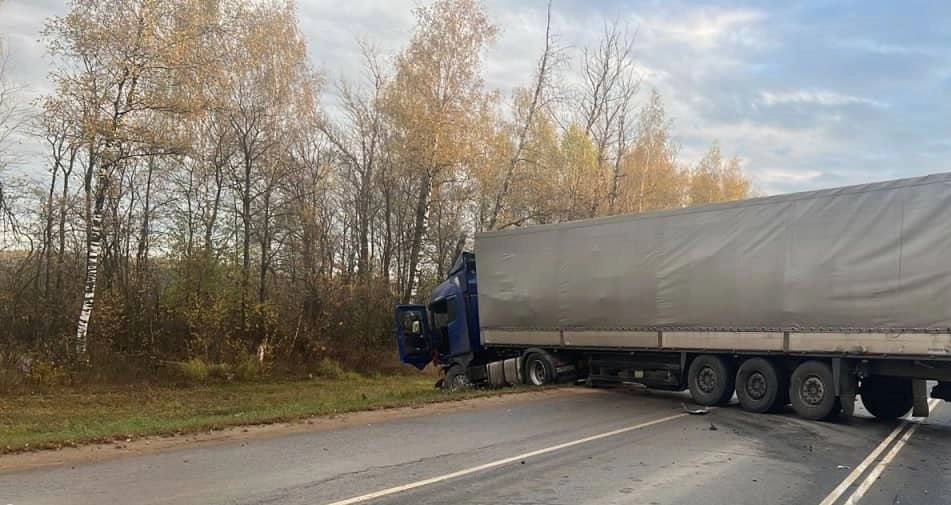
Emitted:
<point x="800" y="176"/>
<point x="815" y="97"/>
<point x="884" y="48"/>
<point x="706" y="29"/>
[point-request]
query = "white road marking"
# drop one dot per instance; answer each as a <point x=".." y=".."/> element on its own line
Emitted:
<point x="498" y="463"/>
<point x="860" y="469"/>
<point x="880" y="467"/>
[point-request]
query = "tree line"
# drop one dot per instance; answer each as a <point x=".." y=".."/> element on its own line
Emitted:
<point x="201" y="199"/>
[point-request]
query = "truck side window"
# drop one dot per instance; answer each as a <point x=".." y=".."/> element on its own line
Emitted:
<point x="443" y="314"/>
<point x="450" y="310"/>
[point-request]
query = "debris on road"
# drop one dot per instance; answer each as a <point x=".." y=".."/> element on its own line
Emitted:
<point x="697" y="412"/>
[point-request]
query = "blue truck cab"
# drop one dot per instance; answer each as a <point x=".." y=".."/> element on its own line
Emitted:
<point x="444" y="331"/>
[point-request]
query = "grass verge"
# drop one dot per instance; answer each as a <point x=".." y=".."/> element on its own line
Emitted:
<point x="79" y="416"/>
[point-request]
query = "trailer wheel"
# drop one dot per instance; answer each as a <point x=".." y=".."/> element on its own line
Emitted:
<point x="456" y="379"/>
<point x="761" y="386"/>
<point x="887" y="397"/>
<point x="538" y="370"/>
<point x="812" y="391"/>
<point x="711" y="380"/>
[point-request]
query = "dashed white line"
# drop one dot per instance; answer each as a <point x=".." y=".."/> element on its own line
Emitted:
<point x="498" y="463"/>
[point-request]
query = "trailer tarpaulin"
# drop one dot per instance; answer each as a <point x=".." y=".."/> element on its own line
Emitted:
<point x="875" y="256"/>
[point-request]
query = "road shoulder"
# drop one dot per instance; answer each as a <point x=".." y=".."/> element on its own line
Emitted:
<point x="100" y="452"/>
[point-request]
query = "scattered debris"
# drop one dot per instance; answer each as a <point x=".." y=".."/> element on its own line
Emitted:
<point x="712" y="426"/>
<point x="697" y="412"/>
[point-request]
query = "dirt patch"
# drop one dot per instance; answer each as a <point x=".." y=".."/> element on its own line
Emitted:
<point x="99" y="452"/>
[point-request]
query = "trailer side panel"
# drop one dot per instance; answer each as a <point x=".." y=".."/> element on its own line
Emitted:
<point x="870" y="257"/>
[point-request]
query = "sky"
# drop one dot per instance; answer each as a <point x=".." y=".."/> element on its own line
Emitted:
<point x="809" y="95"/>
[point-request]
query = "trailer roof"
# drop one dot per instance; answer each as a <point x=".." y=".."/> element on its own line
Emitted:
<point x="937" y="178"/>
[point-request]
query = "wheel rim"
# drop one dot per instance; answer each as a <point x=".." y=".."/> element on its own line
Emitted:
<point x="707" y="379"/>
<point x="459" y="381"/>
<point x="812" y="391"/>
<point x="537" y="373"/>
<point x="756" y="387"/>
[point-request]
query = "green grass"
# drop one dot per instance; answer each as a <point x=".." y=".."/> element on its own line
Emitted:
<point x="78" y="416"/>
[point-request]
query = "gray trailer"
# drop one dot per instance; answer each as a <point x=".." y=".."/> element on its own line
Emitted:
<point x="808" y="298"/>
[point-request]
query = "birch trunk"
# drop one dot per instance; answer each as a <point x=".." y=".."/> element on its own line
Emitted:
<point x="92" y="265"/>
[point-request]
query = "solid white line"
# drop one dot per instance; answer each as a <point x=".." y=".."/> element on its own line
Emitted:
<point x="859" y="470"/>
<point x="880" y="467"/>
<point x="494" y="464"/>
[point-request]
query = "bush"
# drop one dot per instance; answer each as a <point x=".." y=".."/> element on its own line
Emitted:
<point x="329" y="369"/>
<point x="248" y="369"/>
<point x="195" y="370"/>
<point x="46" y="374"/>
<point x="220" y="371"/>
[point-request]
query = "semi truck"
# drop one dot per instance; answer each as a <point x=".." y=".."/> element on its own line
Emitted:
<point x="814" y="299"/>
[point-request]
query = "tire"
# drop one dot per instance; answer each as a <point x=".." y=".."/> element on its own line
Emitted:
<point x="812" y="391"/>
<point x="887" y="397"/>
<point x="538" y="370"/>
<point x="711" y="380"/>
<point x="456" y="379"/>
<point x="761" y="386"/>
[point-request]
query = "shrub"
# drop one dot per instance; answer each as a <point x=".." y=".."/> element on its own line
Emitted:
<point x="329" y="369"/>
<point x="46" y="374"/>
<point x="195" y="370"/>
<point x="220" y="371"/>
<point x="248" y="369"/>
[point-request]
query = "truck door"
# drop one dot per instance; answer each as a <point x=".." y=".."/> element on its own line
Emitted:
<point x="412" y="335"/>
<point x="449" y="337"/>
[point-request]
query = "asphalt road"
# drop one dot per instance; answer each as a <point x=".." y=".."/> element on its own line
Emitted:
<point x="584" y="447"/>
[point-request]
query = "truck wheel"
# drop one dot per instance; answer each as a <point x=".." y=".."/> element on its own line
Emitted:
<point x="761" y="386"/>
<point x="456" y="379"/>
<point x="711" y="379"/>
<point x="887" y="397"/>
<point x="812" y="391"/>
<point x="538" y="370"/>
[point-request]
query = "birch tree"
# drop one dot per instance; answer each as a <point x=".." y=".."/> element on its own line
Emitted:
<point x="434" y="100"/>
<point x="123" y="60"/>
<point x="651" y="178"/>
<point x="716" y="180"/>
<point x="359" y="137"/>
<point x="529" y="104"/>
<point x="610" y="83"/>
<point x="272" y="93"/>
<point x="10" y="121"/>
